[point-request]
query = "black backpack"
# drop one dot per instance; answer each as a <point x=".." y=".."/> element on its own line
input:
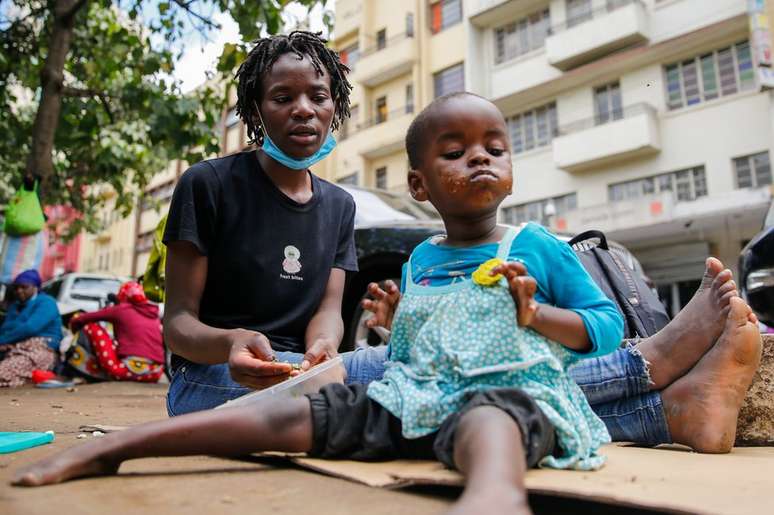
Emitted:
<point x="642" y="311"/>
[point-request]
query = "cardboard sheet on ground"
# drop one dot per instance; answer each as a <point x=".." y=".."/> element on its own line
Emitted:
<point x="668" y="478"/>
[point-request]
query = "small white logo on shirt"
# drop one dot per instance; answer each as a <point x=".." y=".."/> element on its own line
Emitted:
<point x="291" y="264"/>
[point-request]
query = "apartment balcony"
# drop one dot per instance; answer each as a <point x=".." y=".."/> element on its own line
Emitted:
<point x="348" y="17"/>
<point x="378" y="65"/>
<point x="382" y="136"/>
<point x="486" y="13"/>
<point x="662" y="215"/>
<point x="601" y="32"/>
<point x="632" y="132"/>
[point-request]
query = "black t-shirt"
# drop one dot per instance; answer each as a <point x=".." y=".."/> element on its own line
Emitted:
<point x="269" y="257"/>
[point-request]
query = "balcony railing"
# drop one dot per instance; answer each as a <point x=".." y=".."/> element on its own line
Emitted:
<point x="392" y="41"/>
<point x="612" y="115"/>
<point x="610" y="6"/>
<point x="395" y="113"/>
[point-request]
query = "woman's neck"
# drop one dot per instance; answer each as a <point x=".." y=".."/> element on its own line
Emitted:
<point x="296" y="184"/>
<point x="472" y="231"/>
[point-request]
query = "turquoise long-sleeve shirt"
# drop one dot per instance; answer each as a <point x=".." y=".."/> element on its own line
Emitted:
<point x="561" y="279"/>
<point x="38" y="317"/>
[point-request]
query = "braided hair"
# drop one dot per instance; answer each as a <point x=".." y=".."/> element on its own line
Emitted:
<point x="260" y="60"/>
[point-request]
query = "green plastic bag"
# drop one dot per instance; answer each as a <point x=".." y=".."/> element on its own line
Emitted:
<point x="24" y="216"/>
<point x="153" y="280"/>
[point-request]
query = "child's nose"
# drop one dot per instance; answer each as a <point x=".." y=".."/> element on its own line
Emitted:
<point x="478" y="158"/>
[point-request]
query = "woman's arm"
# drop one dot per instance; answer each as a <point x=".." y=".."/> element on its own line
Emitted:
<point x="326" y="329"/>
<point x="185" y="335"/>
<point x="101" y="315"/>
<point x="248" y="353"/>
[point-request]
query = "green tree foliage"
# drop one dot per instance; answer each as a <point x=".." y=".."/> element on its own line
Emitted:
<point x="87" y="95"/>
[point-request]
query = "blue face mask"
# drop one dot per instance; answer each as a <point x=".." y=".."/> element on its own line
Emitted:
<point x="274" y="152"/>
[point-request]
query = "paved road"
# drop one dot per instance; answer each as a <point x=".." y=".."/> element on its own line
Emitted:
<point x="193" y="486"/>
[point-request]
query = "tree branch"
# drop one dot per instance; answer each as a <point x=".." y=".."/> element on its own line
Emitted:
<point x="186" y="6"/>
<point x="72" y="9"/>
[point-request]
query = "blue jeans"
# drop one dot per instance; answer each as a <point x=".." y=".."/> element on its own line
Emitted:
<point x="616" y="386"/>
<point x="197" y="387"/>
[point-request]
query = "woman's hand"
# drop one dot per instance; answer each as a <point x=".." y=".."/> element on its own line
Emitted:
<point x="322" y="349"/>
<point x="251" y="360"/>
<point x="383" y="305"/>
<point x="523" y="288"/>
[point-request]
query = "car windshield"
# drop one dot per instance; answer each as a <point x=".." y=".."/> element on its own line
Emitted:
<point x="94" y="287"/>
<point x="379" y="206"/>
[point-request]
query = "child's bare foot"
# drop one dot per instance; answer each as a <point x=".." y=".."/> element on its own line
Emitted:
<point x="677" y="347"/>
<point x="702" y="406"/>
<point x="494" y="501"/>
<point x="79" y="461"/>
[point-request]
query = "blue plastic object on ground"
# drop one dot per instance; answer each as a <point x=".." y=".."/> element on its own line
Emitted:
<point x="12" y="442"/>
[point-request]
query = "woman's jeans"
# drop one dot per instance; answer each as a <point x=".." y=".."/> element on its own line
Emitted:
<point x="616" y="386"/>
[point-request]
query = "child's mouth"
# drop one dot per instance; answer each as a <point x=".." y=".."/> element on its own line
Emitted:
<point x="483" y="175"/>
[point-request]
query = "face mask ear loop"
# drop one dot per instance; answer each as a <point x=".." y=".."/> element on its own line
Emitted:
<point x="263" y="125"/>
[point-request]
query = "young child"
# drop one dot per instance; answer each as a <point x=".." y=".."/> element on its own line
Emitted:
<point x="478" y="366"/>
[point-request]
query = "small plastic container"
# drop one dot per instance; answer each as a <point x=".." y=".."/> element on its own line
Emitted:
<point x="309" y="382"/>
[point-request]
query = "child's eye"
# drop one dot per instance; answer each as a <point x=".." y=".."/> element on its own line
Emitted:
<point x="281" y="100"/>
<point x="497" y="152"/>
<point x="454" y="155"/>
<point x="320" y="98"/>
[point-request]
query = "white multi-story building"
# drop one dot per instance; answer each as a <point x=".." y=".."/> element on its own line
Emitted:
<point x="642" y="118"/>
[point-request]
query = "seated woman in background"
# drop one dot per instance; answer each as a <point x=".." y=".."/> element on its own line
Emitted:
<point x="31" y="331"/>
<point x="136" y="354"/>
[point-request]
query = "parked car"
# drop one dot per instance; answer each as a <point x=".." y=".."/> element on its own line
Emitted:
<point x="82" y="291"/>
<point x="756" y="271"/>
<point x="387" y="228"/>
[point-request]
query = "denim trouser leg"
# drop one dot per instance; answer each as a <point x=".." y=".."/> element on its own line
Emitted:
<point x="617" y="387"/>
<point x="197" y="387"/>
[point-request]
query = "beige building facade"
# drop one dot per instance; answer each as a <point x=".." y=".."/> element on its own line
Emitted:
<point x="642" y="118"/>
<point x="110" y="251"/>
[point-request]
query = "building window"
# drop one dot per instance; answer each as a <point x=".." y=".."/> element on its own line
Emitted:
<point x="350" y="124"/>
<point x="521" y="36"/>
<point x="578" y="11"/>
<point x="158" y="195"/>
<point x="607" y="103"/>
<point x="381" y="178"/>
<point x="350" y="56"/>
<point x="409" y="98"/>
<point x="445" y="13"/>
<point x="538" y="210"/>
<point x="753" y="171"/>
<point x="351" y="179"/>
<point x="686" y="185"/>
<point x="410" y="25"/>
<point x="145" y="241"/>
<point x="709" y="76"/>
<point x="450" y="80"/>
<point x="535" y="128"/>
<point x="381" y="109"/>
<point x="381" y="39"/>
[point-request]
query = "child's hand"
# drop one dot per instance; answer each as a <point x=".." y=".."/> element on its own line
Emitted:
<point x="523" y="288"/>
<point x="383" y="306"/>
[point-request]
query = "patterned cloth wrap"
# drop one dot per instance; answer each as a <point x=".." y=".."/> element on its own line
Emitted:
<point x="451" y="341"/>
<point x="18" y="360"/>
<point x="94" y="354"/>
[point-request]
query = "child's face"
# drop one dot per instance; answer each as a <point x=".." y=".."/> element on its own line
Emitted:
<point x="297" y="105"/>
<point x="466" y="165"/>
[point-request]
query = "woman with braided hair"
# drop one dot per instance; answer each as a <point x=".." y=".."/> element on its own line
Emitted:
<point x="258" y="246"/>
